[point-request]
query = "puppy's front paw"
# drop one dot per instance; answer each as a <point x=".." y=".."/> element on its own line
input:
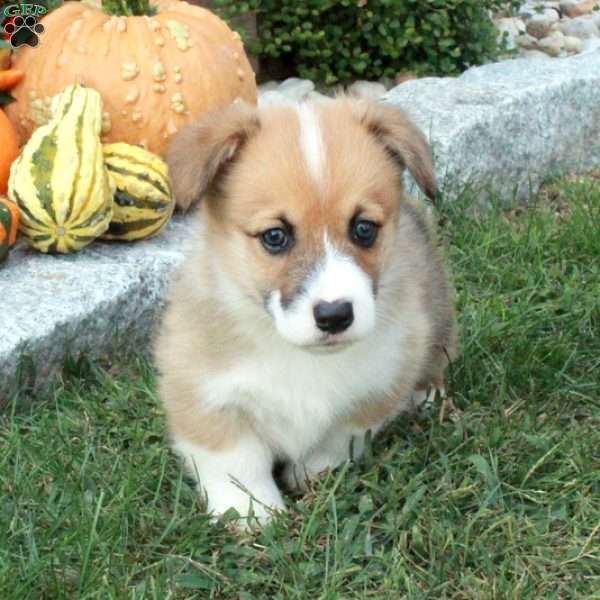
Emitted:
<point x="254" y="506"/>
<point x="236" y="478"/>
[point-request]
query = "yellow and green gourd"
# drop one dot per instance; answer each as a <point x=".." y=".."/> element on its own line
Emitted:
<point x="60" y="182"/>
<point x="143" y="201"/>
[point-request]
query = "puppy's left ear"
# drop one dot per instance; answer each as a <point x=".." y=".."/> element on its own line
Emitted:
<point x="402" y="139"/>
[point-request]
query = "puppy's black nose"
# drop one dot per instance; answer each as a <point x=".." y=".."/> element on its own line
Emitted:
<point x="333" y="317"/>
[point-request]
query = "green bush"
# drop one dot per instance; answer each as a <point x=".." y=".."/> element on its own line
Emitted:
<point x="340" y="40"/>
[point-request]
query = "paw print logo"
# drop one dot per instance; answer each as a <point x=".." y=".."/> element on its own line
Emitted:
<point x="23" y="31"/>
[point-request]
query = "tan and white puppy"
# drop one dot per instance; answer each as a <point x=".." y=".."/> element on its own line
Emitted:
<point x="314" y="302"/>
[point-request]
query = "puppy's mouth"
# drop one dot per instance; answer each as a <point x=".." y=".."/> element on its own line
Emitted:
<point x="329" y="344"/>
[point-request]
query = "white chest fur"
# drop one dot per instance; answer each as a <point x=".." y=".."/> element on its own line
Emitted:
<point x="295" y="396"/>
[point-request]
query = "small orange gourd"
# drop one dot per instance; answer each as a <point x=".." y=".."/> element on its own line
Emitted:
<point x="9" y="78"/>
<point x="9" y="149"/>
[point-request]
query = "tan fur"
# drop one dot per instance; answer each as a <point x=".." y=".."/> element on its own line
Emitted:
<point x="202" y="148"/>
<point x="245" y="163"/>
<point x="196" y="332"/>
<point x="406" y="143"/>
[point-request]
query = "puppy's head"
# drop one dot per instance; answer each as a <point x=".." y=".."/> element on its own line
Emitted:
<point x="301" y="207"/>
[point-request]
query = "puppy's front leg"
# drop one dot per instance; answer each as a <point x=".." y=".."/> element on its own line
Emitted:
<point x="238" y="476"/>
<point x="346" y="441"/>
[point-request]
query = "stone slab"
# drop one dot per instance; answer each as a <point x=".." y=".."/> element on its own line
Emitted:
<point x="502" y="128"/>
<point x="58" y="305"/>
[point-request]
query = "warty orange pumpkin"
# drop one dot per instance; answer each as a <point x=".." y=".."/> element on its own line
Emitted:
<point x="155" y="73"/>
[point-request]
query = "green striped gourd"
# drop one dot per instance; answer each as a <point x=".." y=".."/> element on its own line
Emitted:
<point x="60" y="182"/>
<point x="143" y="202"/>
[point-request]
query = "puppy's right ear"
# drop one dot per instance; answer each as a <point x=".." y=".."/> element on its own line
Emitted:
<point x="201" y="151"/>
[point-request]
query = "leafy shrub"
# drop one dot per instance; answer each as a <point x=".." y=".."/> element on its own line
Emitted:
<point x="341" y="40"/>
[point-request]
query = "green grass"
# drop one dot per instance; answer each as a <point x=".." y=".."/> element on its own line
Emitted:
<point x="501" y="500"/>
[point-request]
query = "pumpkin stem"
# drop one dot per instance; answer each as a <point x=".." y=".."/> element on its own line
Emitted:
<point x="128" y="8"/>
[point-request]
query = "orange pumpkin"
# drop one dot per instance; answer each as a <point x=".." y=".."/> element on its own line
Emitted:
<point x="9" y="150"/>
<point x="155" y="73"/>
<point x="9" y="224"/>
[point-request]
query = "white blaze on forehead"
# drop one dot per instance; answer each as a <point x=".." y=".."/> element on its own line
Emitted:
<point x="311" y="140"/>
<point x="339" y="278"/>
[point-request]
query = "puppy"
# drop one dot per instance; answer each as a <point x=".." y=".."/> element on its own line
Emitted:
<point x="314" y="302"/>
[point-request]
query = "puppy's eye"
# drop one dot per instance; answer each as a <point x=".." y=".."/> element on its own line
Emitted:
<point x="363" y="233"/>
<point x="275" y="240"/>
